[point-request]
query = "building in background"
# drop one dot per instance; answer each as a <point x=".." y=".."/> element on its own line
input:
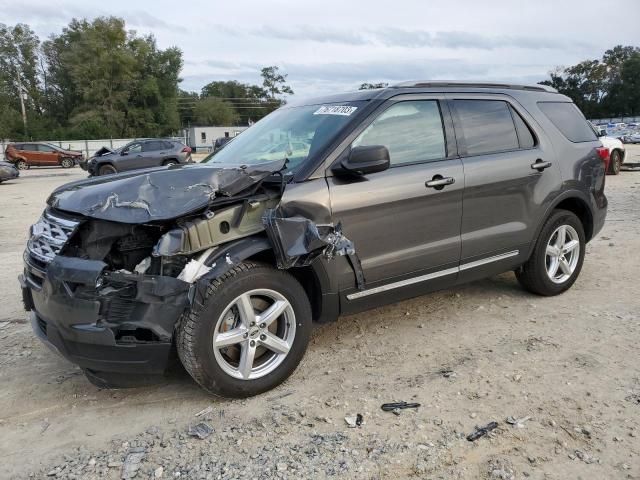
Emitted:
<point x="201" y="139"/>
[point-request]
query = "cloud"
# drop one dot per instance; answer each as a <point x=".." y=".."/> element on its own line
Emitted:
<point x="405" y="38"/>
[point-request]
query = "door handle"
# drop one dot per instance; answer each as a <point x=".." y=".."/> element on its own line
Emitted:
<point x="439" y="182"/>
<point x="540" y="165"/>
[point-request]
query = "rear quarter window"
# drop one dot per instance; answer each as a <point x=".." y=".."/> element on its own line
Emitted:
<point x="569" y="120"/>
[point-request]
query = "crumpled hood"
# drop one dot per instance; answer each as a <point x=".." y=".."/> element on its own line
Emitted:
<point x="156" y="194"/>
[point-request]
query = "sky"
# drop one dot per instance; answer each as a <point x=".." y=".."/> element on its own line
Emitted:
<point x="331" y="46"/>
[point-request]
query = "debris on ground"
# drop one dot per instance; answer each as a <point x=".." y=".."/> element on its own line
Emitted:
<point x="201" y="430"/>
<point x="482" y="431"/>
<point x="354" y="421"/>
<point x="204" y="412"/>
<point x="395" y="407"/>
<point x="517" y="422"/>
<point x="132" y="464"/>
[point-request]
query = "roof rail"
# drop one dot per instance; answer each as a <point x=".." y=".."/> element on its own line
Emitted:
<point x="471" y="84"/>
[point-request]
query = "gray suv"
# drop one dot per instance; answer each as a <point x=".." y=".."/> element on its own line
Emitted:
<point x="145" y="153"/>
<point x="371" y="197"/>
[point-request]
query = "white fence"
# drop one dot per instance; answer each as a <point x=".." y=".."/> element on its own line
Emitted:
<point x="87" y="147"/>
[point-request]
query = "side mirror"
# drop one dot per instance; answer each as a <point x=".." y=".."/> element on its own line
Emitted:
<point x="364" y="160"/>
<point x="124" y="152"/>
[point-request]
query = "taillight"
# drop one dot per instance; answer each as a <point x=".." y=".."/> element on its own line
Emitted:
<point x="603" y="153"/>
<point x="186" y="150"/>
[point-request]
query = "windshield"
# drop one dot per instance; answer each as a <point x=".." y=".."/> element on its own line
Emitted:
<point x="294" y="133"/>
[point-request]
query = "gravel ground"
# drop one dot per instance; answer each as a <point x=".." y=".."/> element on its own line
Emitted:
<point x="565" y="369"/>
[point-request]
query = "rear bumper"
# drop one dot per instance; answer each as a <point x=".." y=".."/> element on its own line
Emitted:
<point x="124" y="327"/>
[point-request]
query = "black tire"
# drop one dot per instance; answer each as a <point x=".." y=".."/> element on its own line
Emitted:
<point x="194" y="336"/>
<point x="67" y="163"/>
<point x="107" y="169"/>
<point x="168" y="163"/>
<point x="615" y="163"/>
<point x="22" y="165"/>
<point x="533" y="274"/>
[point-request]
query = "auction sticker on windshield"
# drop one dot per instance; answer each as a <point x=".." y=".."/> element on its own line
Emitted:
<point x="345" y="110"/>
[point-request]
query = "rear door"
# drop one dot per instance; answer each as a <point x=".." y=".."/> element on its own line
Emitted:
<point x="505" y="193"/>
<point x="154" y="152"/>
<point x="47" y="155"/>
<point x="30" y="152"/>
<point x="406" y="234"/>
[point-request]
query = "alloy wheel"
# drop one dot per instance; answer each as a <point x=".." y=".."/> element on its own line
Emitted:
<point x="254" y="334"/>
<point x="562" y="254"/>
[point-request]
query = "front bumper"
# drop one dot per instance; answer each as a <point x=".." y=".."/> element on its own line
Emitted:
<point x="125" y="326"/>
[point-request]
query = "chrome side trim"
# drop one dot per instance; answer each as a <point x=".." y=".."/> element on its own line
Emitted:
<point x="402" y="283"/>
<point x="431" y="276"/>
<point x="484" y="261"/>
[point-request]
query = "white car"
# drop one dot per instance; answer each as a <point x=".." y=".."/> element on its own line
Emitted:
<point x="616" y="149"/>
<point x="616" y="153"/>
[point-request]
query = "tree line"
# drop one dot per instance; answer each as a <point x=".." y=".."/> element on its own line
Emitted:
<point x="96" y="79"/>
<point x="603" y="88"/>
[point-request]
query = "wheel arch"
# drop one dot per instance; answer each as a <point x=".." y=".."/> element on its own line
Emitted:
<point x="103" y="164"/>
<point x="573" y="201"/>
<point x="314" y="278"/>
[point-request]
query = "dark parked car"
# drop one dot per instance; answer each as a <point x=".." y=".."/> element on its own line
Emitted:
<point x="8" y="172"/>
<point x="401" y="191"/>
<point x="34" y="154"/>
<point x="136" y="155"/>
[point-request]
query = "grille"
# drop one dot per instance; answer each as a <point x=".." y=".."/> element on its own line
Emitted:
<point x="49" y="235"/>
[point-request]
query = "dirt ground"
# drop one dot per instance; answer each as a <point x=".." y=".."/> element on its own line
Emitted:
<point x="474" y="354"/>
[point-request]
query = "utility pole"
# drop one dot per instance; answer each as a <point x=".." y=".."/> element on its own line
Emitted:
<point x="21" y="94"/>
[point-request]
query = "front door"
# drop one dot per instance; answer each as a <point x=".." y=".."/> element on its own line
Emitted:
<point x="405" y="221"/>
<point x="131" y="157"/>
<point x="505" y="195"/>
<point x="47" y="155"/>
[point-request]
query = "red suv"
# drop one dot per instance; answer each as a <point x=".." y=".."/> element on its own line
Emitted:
<point x="25" y="155"/>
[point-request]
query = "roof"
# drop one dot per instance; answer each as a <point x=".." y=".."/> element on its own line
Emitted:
<point x="473" y="84"/>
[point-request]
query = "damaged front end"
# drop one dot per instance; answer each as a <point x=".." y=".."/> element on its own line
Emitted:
<point x="114" y="262"/>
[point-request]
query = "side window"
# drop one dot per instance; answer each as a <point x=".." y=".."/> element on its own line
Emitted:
<point x="45" y="148"/>
<point x="203" y="137"/>
<point x="525" y="137"/>
<point x="569" y="120"/>
<point x="134" y="148"/>
<point x="411" y="130"/>
<point x="153" y="146"/>
<point x="30" y="147"/>
<point x="168" y="145"/>
<point x="487" y="126"/>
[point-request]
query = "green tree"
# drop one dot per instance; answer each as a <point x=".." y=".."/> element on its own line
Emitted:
<point x="103" y="80"/>
<point x="251" y="102"/>
<point x="213" y="111"/>
<point x="18" y="77"/>
<point x="274" y="82"/>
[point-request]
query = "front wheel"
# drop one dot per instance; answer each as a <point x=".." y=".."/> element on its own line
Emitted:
<point x="67" y="163"/>
<point x="22" y="165"/>
<point x="107" y="170"/>
<point x="615" y="163"/>
<point x="557" y="257"/>
<point x="250" y="333"/>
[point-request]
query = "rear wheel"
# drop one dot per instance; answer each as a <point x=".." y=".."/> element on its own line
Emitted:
<point x="168" y="163"/>
<point x="557" y="257"/>
<point x="615" y="163"/>
<point x="107" y="170"/>
<point x="22" y="165"/>
<point x="250" y="333"/>
<point x="66" y="163"/>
